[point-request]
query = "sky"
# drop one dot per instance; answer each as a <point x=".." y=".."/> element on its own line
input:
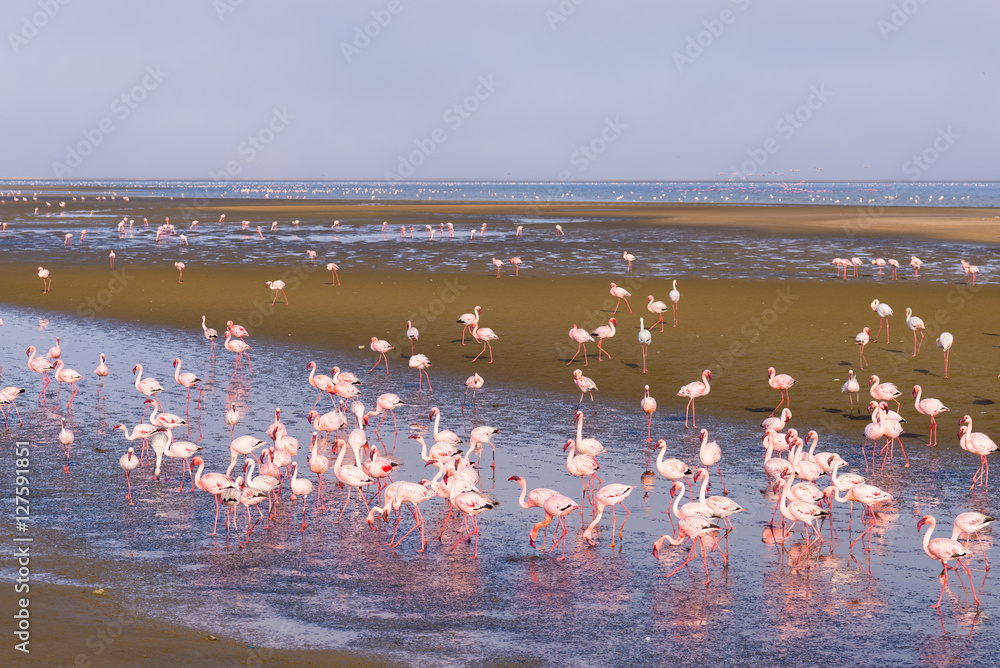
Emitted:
<point x="573" y="90"/>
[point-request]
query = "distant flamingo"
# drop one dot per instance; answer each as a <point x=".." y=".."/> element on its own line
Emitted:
<point x="879" y="262"/>
<point x="210" y="334"/>
<point x="609" y="496"/>
<point x="468" y="320"/>
<point x="620" y="293"/>
<point x="413" y="334"/>
<point x="883" y="311"/>
<point x="675" y="298"/>
<point x="180" y="268"/>
<point x="780" y="382"/>
<point x="55" y="352"/>
<point x="915" y="323"/>
<point x="143" y="431"/>
<point x="862" y="340"/>
<point x="645" y="338"/>
<point x="915" y="262"/>
<point x="710" y="453"/>
<point x="895" y="266"/>
<point x="332" y="268"/>
<point x="129" y="462"/>
<point x="380" y="346"/>
<point x="656" y="307"/>
<point x="604" y="332"/>
<point x="46" y="280"/>
<point x="853" y="389"/>
<point x="648" y="406"/>
<point x="64" y="375"/>
<point x="516" y="261"/>
<point x="930" y="407"/>
<point x="232" y="418"/>
<point x="485" y="335"/>
<point x="977" y="443"/>
<point x="559" y="231"/>
<point x="239" y="347"/>
<point x="421" y="363"/>
<point x="944" y="343"/>
<point x="473" y="382"/>
<point x="498" y="264"/>
<point x="586" y="385"/>
<point x="698" y="388"/>
<point x="187" y="380"/>
<point x="944" y="550"/>
<point x="66" y="437"/>
<point x="629" y="258"/>
<point x="581" y="337"/>
<point x="277" y="286"/>
<point x="301" y="487"/>
<point x="111" y="259"/>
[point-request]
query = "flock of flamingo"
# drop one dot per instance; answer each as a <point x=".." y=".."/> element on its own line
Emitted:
<point x="360" y="465"/>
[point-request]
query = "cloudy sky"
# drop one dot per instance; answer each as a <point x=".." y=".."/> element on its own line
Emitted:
<point x="477" y="89"/>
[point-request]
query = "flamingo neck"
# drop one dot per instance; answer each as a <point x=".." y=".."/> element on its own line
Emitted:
<point x="677" y="503"/>
<point x="931" y="523"/>
<point x="704" y="488"/>
<point x="524" y="491"/>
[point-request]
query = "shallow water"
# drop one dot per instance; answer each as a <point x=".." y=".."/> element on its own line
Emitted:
<point x="338" y="585"/>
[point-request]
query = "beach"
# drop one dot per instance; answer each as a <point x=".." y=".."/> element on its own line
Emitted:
<point x="783" y="310"/>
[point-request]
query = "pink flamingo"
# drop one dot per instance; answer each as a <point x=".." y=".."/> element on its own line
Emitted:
<point x="353" y="477"/>
<point x="485" y="335"/>
<point x="645" y="338"/>
<point x="698" y="388"/>
<point x="301" y="487"/>
<point x="129" y="462"/>
<point x="862" y="340"/>
<point x="777" y="423"/>
<point x="380" y="346"/>
<point x="930" y="407"/>
<point x="586" y="386"/>
<point x="800" y="511"/>
<point x="555" y="506"/>
<point x="604" y="332"/>
<point x="240" y="347"/>
<point x="584" y="467"/>
<point x="780" y="382"/>
<point x="232" y="417"/>
<point x="620" y="293"/>
<point x="111" y="259"/>
<point x="242" y="445"/>
<point x="648" y="406"/>
<point x="64" y="375"/>
<point x="102" y="371"/>
<point x="915" y="262"/>
<point x="698" y="529"/>
<point x="977" y="443"/>
<point x="498" y="264"/>
<point x="853" y="389"/>
<point x="879" y="262"/>
<point x="180" y="268"/>
<point x="213" y="483"/>
<point x="412" y="333"/>
<point x="971" y="523"/>
<point x="880" y="391"/>
<point x="187" y="380"/>
<point x="472" y="504"/>
<point x="944" y="550"/>
<point x="656" y="307"/>
<point x="628" y="257"/>
<point x="516" y="261"/>
<point x="710" y="453"/>
<point x="581" y="336"/>
<point x="7" y="396"/>
<point x="46" y="280"/>
<point x="421" y="363"/>
<point x="944" y="343"/>
<point x="42" y="366"/>
<point x="236" y="330"/>
<point x="586" y="446"/>
<point x="914" y="323"/>
<point x="320" y="382"/>
<point x="387" y="402"/>
<point x="397" y="494"/>
<point x="536" y="498"/>
<point x="277" y="286"/>
<point x="468" y="320"/>
<point x="869" y="496"/>
<point x="474" y="382"/>
<point x="210" y="335"/>
<point x="55" y="352"/>
<point x="143" y="431"/>
<point x="883" y="311"/>
<point x="609" y="495"/>
<point x="147" y="386"/>
<point x="675" y="297"/>
<point x="332" y="268"/>
<point x="319" y="465"/>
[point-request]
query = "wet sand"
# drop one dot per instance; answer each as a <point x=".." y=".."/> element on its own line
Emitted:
<point x="735" y="328"/>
